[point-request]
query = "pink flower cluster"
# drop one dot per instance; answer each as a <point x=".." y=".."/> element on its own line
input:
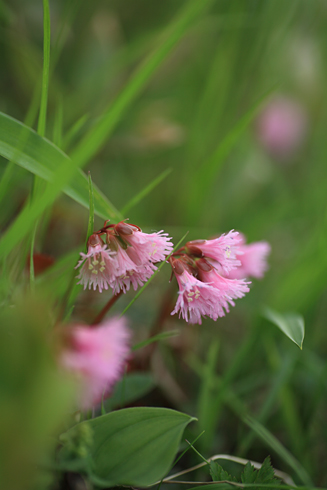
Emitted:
<point x="201" y="268"/>
<point x="127" y="258"/>
<point x="96" y="357"/>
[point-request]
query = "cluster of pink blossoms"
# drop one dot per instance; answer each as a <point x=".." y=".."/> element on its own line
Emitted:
<point x="201" y="267"/>
<point x="96" y="356"/>
<point x="210" y="274"/>
<point x="127" y="257"/>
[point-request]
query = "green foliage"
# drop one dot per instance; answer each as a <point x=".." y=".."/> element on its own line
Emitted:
<point x="217" y="473"/>
<point x="133" y="446"/>
<point x="132" y="387"/>
<point x="24" y="147"/>
<point x="291" y="324"/>
<point x="35" y="396"/>
<point x="264" y="475"/>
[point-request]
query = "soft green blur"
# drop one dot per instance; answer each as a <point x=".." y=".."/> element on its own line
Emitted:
<point x="35" y="397"/>
<point x="198" y="113"/>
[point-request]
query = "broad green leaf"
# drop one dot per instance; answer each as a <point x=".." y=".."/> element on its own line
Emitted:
<point x="133" y="446"/>
<point x="26" y="148"/>
<point x="291" y="324"/>
<point x="132" y="387"/>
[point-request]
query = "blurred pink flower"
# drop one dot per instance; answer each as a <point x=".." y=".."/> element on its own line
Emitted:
<point x="253" y="259"/>
<point x="281" y="127"/>
<point x="97" y="263"/>
<point x="96" y="356"/>
<point x="220" y="250"/>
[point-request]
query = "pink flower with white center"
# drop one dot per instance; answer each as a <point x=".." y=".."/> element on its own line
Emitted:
<point x="96" y="356"/>
<point x="135" y="254"/>
<point x="196" y="299"/>
<point x="97" y="263"/>
<point x="253" y="259"/>
<point x="220" y="250"/>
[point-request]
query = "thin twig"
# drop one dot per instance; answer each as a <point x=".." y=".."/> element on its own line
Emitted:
<point x="106" y="308"/>
<point x="280" y="474"/>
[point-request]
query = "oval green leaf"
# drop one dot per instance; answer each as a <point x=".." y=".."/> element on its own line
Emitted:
<point x="291" y="324"/>
<point x="133" y="446"/>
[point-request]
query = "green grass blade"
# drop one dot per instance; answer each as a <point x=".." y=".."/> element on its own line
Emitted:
<point x="46" y="69"/>
<point x="144" y="192"/>
<point x="26" y="148"/>
<point x="31" y="212"/>
<point x="73" y="131"/>
<point x="266" y="436"/>
<point x="96" y="137"/>
<point x="58" y="122"/>
<point x="210" y="168"/>
<point x="155" y="338"/>
<point x="91" y="212"/>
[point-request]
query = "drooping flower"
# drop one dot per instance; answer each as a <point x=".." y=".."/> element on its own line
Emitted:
<point x="229" y="289"/>
<point x="96" y="357"/>
<point x="208" y="295"/>
<point x="253" y="258"/>
<point x="96" y="265"/>
<point x="196" y="299"/>
<point x="128" y="258"/>
<point x="220" y="250"/>
<point x="136" y="254"/>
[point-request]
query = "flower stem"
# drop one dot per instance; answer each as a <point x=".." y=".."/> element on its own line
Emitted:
<point x="106" y="308"/>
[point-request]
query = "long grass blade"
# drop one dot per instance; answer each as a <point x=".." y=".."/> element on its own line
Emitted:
<point x="144" y="192"/>
<point x="95" y="139"/>
<point x="46" y="68"/>
<point x="26" y="148"/>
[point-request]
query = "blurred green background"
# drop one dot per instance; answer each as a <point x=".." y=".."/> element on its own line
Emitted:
<point x="202" y="114"/>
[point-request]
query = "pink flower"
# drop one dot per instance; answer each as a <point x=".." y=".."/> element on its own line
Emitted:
<point x="282" y="126"/>
<point x="196" y="299"/>
<point x="152" y="247"/>
<point x="220" y="250"/>
<point x="96" y="270"/>
<point x="253" y="259"/>
<point x="229" y="289"/>
<point x="96" y="356"/>
<point x="135" y="254"/>
<point x="127" y="273"/>
<point x="128" y="258"/>
<point x="210" y="296"/>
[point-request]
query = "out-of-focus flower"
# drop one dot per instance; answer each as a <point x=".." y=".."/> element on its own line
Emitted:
<point x="128" y="258"/>
<point x="281" y="127"/>
<point x="202" y="290"/>
<point x="96" y="356"/>
<point x="253" y="258"/>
